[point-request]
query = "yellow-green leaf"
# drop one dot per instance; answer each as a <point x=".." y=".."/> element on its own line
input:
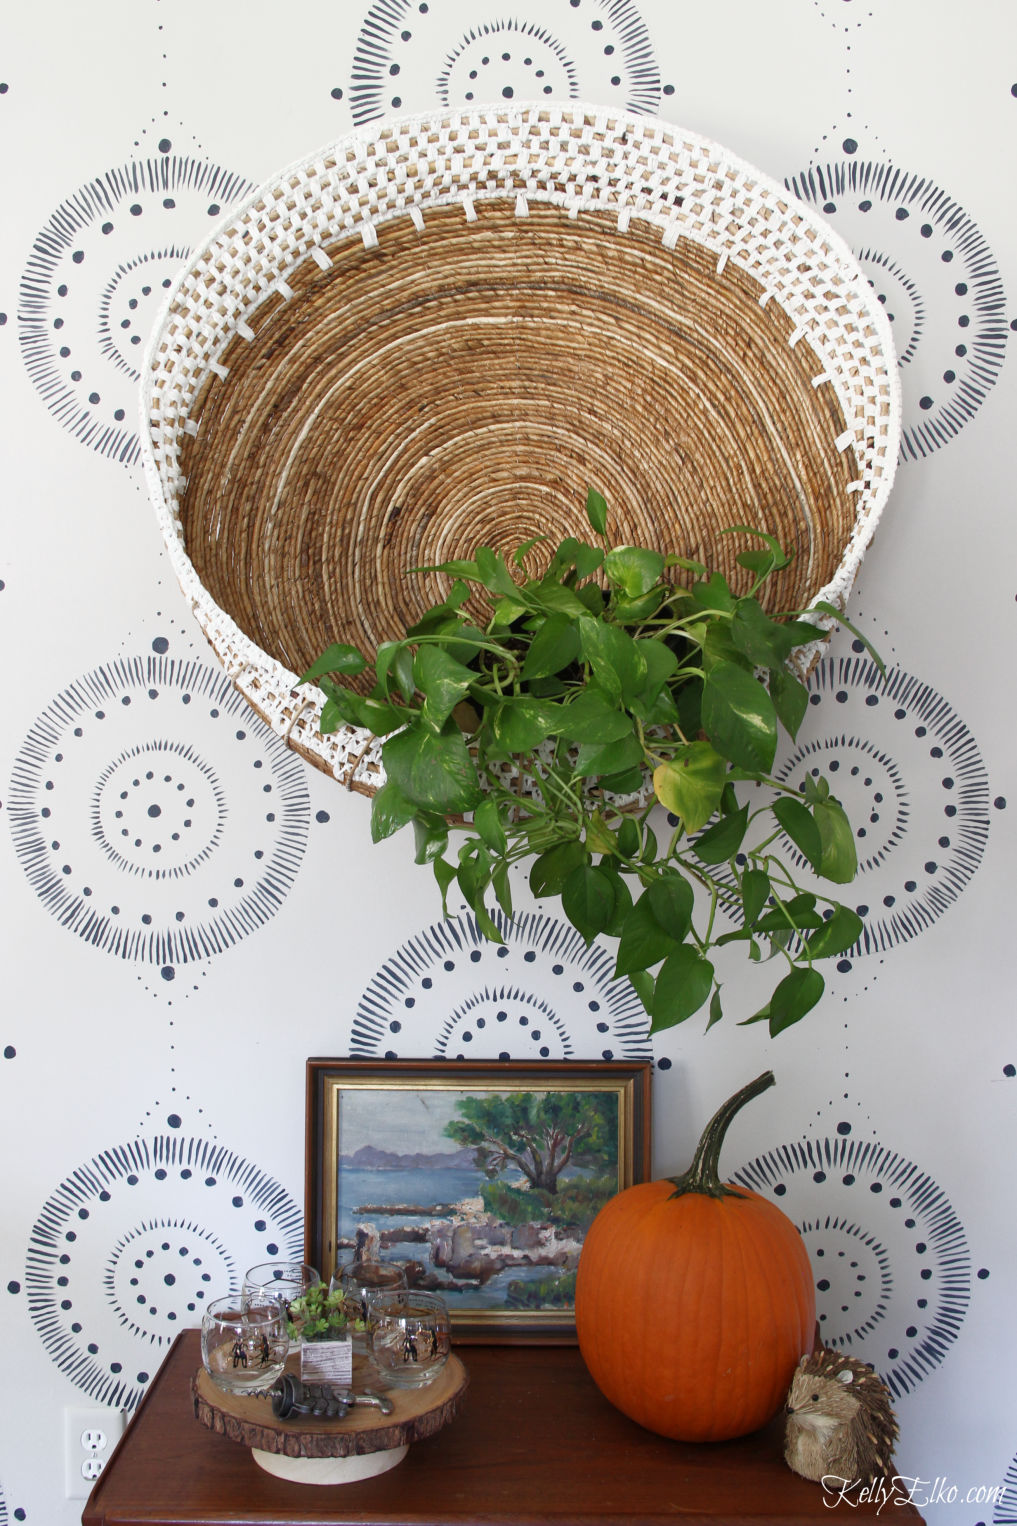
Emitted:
<point x="691" y="783"/>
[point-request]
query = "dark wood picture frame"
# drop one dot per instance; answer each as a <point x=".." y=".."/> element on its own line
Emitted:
<point x="377" y="1128"/>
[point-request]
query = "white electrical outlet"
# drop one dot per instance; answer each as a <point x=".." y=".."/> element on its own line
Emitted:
<point x="89" y="1438"/>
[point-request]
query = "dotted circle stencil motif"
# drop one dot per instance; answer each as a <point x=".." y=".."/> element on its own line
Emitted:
<point x="124" y="1255"/>
<point x="889" y="1254"/>
<point x="913" y="784"/>
<point x="95" y="281"/>
<point x="153" y="816"/>
<point x="542" y="994"/>
<point x="937" y="279"/>
<point x="408" y="52"/>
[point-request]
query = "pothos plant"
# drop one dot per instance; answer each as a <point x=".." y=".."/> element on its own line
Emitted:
<point x="549" y="727"/>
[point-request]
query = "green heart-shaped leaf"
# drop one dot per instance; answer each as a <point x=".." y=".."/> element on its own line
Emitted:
<point x="661" y="662"/>
<point x="445" y="875"/>
<point x="487" y="821"/>
<point x="764" y="642"/>
<point x="599" y="836"/>
<point x="593" y="717"/>
<point x="587" y="900"/>
<point x="755" y="894"/>
<point x="596" y="510"/>
<point x="520" y="725"/>
<point x="550" y="597"/>
<point x="502" y="886"/>
<point x="340" y="657"/>
<point x="629" y="839"/>
<point x="443" y="681"/>
<point x="838" y="933"/>
<point x="395" y="658"/>
<point x="618" y="664"/>
<point x="796" y="915"/>
<point x="594" y="759"/>
<point x="554" y="645"/>
<point x="790" y="700"/>
<point x="671" y="899"/>
<point x="643" y="940"/>
<point x="550" y="870"/>
<point x="433" y="770"/>
<point x="356" y="710"/>
<point x="622" y="899"/>
<point x="586" y="559"/>
<point x="796" y="994"/>
<point x="633" y="569"/>
<point x="430" y="834"/>
<point x="629" y="782"/>
<point x="800" y="825"/>
<point x="839" y="859"/>
<point x="739" y="717"/>
<point x="713" y="593"/>
<point x="494" y="574"/>
<point x="721" y="842"/>
<point x="390" y="810"/>
<point x="684" y="983"/>
<point x="775" y="553"/>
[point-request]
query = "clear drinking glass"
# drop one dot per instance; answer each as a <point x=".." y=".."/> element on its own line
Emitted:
<point x="244" y="1342"/>
<point x="408" y="1336"/>
<point x="359" y="1282"/>
<point x="285" y="1280"/>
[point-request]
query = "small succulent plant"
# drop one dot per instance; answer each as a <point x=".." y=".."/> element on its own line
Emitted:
<point x="318" y="1315"/>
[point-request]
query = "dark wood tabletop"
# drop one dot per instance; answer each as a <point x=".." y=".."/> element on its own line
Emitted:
<point x="536" y="1444"/>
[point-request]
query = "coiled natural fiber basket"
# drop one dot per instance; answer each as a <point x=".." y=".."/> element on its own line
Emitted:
<point x="438" y="333"/>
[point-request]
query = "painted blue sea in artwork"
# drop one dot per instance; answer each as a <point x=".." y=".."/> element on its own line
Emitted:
<point x="434" y="1189"/>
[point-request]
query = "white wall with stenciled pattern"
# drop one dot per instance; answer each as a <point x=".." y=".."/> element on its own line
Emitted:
<point x="189" y="911"/>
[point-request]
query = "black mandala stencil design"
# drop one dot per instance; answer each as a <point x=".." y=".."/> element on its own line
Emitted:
<point x="409" y="51"/>
<point x="846" y="18"/>
<point x="154" y="816"/>
<point x="938" y="280"/>
<point x="542" y="994"/>
<point x="889" y="1254"/>
<point x="124" y="1255"/>
<point x="1005" y="1513"/>
<point x="95" y="281"/>
<point x="913" y="783"/>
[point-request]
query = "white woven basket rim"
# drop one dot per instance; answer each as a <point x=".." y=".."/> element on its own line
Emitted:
<point x="620" y="182"/>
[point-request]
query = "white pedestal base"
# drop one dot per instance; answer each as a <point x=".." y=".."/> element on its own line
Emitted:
<point x="329" y="1470"/>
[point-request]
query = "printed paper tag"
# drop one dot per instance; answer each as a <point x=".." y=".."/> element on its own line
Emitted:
<point x="327" y="1362"/>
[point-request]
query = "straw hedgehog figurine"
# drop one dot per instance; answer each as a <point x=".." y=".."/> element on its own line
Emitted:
<point x="839" y="1420"/>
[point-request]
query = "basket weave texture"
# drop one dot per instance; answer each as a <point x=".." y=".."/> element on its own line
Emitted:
<point x="439" y="334"/>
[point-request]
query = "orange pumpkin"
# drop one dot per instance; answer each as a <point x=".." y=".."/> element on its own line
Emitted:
<point x="695" y="1300"/>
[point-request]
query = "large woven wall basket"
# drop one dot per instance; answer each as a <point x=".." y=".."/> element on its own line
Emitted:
<point x="438" y="333"/>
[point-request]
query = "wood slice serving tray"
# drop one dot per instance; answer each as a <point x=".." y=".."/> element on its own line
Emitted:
<point x="322" y="1451"/>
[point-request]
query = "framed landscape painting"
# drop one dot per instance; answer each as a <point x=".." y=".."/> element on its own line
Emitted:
<point x="481" y="1178"/>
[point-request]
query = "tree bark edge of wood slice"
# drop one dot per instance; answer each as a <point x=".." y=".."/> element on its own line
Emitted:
<point x="417" y="1414"/>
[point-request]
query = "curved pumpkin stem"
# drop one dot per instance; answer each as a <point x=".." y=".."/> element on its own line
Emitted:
<point x="704" y="1173"/>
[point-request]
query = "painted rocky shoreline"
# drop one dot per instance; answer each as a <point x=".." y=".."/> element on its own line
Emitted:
<point x="466" y="1246"/>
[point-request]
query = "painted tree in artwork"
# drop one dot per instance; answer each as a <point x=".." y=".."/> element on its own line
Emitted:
<point x="538" y="1133"/>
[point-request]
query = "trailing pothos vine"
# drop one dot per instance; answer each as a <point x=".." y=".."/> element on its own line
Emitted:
<point x="524" y="732"/>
